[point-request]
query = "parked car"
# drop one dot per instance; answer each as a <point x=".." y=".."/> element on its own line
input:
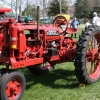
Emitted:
<point x="27" y="18"/>
<point x="45" y="21"/>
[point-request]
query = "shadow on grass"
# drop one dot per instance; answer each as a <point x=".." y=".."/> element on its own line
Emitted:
<point x="58" y="78"/>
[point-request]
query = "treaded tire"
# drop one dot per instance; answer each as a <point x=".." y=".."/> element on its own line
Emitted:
<point x="2" y="71"/>
<point x="8" y="84"/>
<point x="81" y="52"/>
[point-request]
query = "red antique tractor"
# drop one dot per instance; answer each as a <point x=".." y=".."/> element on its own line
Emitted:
<point x="42" y="48"/>
<point x="2" y="18"/>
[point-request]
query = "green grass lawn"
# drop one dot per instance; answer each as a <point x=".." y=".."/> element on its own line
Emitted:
<point x="60" y="84"/>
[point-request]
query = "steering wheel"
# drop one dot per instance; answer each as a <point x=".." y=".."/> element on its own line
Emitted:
<point x="62" y="23"/>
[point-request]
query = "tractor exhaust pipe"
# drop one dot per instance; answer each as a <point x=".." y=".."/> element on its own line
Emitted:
<point x="38" y="21"/>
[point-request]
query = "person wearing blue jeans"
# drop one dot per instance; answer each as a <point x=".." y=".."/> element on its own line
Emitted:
<point x="74" y="24"/>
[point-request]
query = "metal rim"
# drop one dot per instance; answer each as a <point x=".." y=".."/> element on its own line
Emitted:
<point x="13" y="88"/>
<point x="92" y="57"/>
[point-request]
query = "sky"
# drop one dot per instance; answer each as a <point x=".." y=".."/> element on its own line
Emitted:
<point x="9" y="1"/>
<point x="33" y="0"/>
<point x="3" y="3"/>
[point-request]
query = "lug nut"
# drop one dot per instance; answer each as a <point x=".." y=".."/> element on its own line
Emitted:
<point x="13" y="80"/>
<point x="8" y="95"/>
<point x="15" y="93"/>
<point x="18" y="84"/>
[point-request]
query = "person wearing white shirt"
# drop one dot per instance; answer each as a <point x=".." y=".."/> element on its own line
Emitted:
<point x="96" y="19"/>
<point x="87" y="23"/>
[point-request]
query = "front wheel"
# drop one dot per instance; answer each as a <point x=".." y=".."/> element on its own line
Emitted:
<point x="87" y="57"/>
<point x="13" y="86"/>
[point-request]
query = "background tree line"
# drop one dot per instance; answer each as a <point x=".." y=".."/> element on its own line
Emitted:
<point x="51" y="7"/>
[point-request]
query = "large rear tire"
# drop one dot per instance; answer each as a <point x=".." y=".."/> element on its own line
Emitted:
<point x="87" y="57"/>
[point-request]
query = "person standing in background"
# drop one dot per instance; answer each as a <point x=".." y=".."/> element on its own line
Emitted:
<point x="96" y="19"/>
<point x="87" y="23"/>
<point x="2" y="16"/>
<point x="74" y="24"/>
<point x="19" y="19"/>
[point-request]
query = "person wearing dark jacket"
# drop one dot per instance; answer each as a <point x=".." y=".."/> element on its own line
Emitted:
<point x="2" y="16"/>
<point x="19" y="19"/>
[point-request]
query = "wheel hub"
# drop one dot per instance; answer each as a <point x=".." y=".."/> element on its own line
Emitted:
<point x="13" y="89"/>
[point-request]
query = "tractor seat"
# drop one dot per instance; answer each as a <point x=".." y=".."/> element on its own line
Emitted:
<point x="71" y="30"/>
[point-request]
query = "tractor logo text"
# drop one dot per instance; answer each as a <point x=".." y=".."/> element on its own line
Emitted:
<point x="52" y="33"/>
